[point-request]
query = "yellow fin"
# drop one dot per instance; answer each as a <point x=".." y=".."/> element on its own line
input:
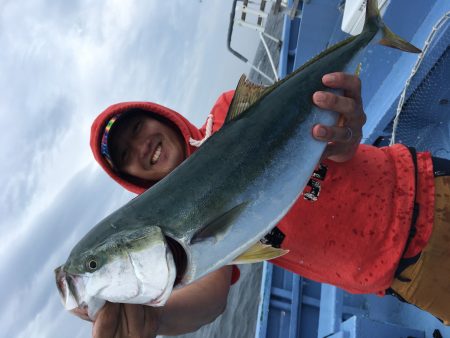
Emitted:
<point x="258" y="253"/>
<point x="390" y="39"/>
<point x="245" y="95"/>
<point x="358" y="69"/>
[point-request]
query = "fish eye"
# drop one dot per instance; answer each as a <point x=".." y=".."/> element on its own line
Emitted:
<point x="91" y="264"/>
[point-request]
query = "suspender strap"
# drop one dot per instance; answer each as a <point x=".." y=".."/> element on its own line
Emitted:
<point x="405" y="262"/>
<point x="415" y="213"/>
<point x="441" y="166"/>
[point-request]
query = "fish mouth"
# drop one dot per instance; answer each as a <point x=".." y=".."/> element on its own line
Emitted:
<point x="73" y="295"/>
<point x="66" y="286"/>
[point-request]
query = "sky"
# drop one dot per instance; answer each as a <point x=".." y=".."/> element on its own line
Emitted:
<point x="62" y="63"/>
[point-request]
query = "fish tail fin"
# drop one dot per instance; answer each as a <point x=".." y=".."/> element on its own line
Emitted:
<point x="389" y="38"/>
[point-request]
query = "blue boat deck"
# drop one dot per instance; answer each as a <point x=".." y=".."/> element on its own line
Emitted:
<point x="292" y="306"/>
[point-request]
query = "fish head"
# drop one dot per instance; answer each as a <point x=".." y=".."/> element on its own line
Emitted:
<point x="130" y="266"/>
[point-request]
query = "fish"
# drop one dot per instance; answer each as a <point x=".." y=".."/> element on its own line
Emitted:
<point x="213" y="209"/>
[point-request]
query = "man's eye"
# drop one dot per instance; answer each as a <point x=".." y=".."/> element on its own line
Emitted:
<point x="137" y="128"/>
<point x="124" y="157"/>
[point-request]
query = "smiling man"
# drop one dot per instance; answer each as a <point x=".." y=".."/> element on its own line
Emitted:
<point x="142" y="145"/>
<point x="138" y="143"/>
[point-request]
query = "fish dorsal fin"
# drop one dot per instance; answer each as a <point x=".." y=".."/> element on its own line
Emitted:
<point x="245" y="95"/>
<point x="218" y="227"/>
<point x="256" y="92"/>
<point x="258" y="253"/>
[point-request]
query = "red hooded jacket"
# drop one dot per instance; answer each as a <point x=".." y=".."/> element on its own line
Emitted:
<point x="354" y="233"/>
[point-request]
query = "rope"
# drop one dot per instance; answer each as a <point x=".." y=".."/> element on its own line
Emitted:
<point x="208" y="132"/>
<point x="427" y="44"/>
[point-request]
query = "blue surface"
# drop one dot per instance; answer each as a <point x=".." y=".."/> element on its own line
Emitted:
<point x="429" y="104"/>
<point x="358" y="327"/>
<point x="320" y="19"/>
<point x="384" y="78"/>
<point x="290" y="305"/>
<point x="297" y="307"/>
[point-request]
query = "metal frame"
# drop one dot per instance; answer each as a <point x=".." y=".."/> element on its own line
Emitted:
<point x="259" y="10"/>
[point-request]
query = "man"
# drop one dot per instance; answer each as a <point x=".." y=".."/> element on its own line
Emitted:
<point x="139" y="143"/>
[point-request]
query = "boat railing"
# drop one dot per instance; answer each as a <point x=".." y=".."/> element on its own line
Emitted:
<point x="415" y="87"/>
<point x="253" y="15"/>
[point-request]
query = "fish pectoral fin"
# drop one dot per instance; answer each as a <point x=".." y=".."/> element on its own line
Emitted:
<point x="258" y="253"/>
<point x="245" y="95"/>
<point x="218" y="227"/>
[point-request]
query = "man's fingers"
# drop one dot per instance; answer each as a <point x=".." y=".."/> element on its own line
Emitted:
<point x="351" y="84"/>
<point x="343" y="138"/>
<point x="339" y="152"/>
<point x="340" y="104"/>
<point x="151" y="322"/>
<point x="343" y="134"/>
<point x="126" y="320"/>
<point x="336" y="134"/>
<point x="82" y="313"/>
<point x="139" y="321"/>
<point x="106" y="323"/>
<point x="133" y="320"/>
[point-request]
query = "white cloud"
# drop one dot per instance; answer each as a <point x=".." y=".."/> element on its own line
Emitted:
<point x="48" y="323"/>
<point x="29" y="261"/>
<point x="62" y="63"/>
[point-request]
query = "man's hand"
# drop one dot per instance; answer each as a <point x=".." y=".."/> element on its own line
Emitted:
<point x="343" y="139"/>
<point x="126" y="320"/>
<point x="187" y="309"/>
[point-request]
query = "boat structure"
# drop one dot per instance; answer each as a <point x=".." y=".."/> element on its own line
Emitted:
<point x="406" y="99"/>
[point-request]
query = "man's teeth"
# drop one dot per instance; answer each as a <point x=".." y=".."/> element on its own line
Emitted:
<point x="156" y="154"/>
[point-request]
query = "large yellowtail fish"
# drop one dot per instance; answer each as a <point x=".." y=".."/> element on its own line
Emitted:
<point x="217" y="204"/>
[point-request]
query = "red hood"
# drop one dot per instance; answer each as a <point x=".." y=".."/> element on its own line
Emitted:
<point x="187" y="129"/>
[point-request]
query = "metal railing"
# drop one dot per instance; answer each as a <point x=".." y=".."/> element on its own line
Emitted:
<point x="258" y="11"/>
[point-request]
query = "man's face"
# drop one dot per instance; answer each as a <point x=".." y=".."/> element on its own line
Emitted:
<point x="146" y="148"/>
